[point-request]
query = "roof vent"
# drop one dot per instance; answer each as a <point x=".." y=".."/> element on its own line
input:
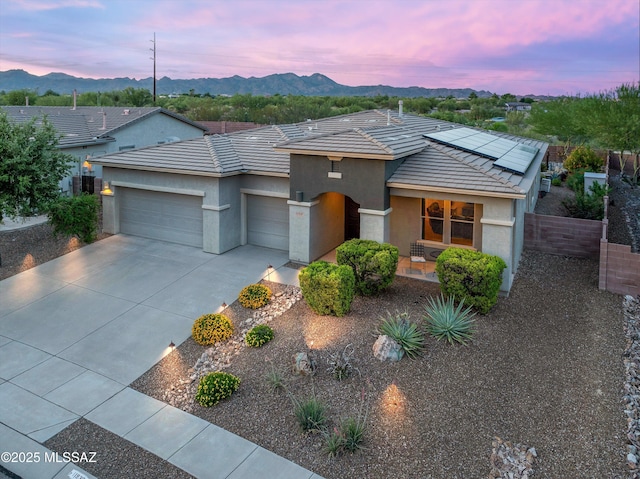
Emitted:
<point x="400" y="112"/>
<point x="126" y="112"/>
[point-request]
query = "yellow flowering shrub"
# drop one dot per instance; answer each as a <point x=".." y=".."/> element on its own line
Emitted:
<point x="254" y="296"/>
<point x="214" y="387"/>
<point x="209" y="329"/>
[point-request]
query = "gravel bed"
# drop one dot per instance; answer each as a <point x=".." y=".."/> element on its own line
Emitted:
<point x="544" y="369"/>
<point x="115" y="457"/>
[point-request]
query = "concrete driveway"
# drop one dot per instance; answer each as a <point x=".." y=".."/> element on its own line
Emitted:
<point x="76" y="331"/>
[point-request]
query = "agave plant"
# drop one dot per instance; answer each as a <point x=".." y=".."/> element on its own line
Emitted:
<point x="447" y="321"/>
<point x="404" y="332"/>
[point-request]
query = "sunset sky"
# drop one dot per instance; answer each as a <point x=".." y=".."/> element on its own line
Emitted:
<point x="519" y="46"/>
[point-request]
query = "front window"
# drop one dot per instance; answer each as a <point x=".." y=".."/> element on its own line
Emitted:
<point x="448" y="222"/>
<point x="462" y="216"/>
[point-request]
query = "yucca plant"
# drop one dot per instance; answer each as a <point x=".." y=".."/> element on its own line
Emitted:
<point x="447" y="321"/>
<point x="404" y="332"/>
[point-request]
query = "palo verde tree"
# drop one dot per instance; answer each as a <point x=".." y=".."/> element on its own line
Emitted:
<point x="613" y="120"/>
<point x="31" y="166"/>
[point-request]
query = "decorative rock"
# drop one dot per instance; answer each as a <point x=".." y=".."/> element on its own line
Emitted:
<point x="219" y="356"/>
<point x="511" y="461"/>
<point x="386" y="348"/>
<point x="631" y="388"/>
<point x="303" y="364"/>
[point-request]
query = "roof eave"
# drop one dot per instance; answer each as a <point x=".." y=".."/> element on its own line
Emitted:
<point x="440" y="189"/>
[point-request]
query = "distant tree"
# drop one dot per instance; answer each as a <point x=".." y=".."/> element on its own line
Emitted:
<point x="18" y="97"/>
<point x="135" y="97"/>
<point x="31" y="168"/>
<point x="560" y="118"/>
<point x="516" y="122"/>
<point x="612" y="119"/>
<point x="508" y="97"/>
<point x="473" y="95"/>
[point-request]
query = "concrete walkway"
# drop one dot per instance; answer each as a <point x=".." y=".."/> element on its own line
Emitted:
<point x="76" y="331"/>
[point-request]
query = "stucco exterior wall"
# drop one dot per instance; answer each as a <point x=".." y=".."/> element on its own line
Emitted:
<point x="327" y="231"/>
<point x="362" y="180"/>
<point x="495" y="227"/>
<point x="405" y="222"/>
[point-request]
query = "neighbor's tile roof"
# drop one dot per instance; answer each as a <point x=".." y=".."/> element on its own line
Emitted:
<point x="374" y="133"/>
<point x="88" y="125"/>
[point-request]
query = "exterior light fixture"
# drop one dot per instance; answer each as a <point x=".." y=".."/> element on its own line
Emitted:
<point x="224" y="305"/>
<point x="172" y="346"/>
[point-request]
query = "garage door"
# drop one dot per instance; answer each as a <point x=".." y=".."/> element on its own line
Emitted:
<point x="163" y="216"/>
<point x="268" y="222"/>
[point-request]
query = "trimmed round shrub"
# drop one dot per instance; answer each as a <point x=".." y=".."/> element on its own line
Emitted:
<point x="328" y="288"/>
<point x="472" y="276"/>
<point x="374" y="264"/>
<point x="214" y="387"/>
<point x="209" y="329"/>
<point x="259" y="335"/>
<point x="254" y="296"/>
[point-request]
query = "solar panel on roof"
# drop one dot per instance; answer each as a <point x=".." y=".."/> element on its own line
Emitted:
<point x="508" y="154"/>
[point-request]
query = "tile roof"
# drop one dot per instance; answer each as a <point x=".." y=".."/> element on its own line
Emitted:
<point x="379" y="142"/>
<point x="88" y="125"/>
<point x="374" y="133"/>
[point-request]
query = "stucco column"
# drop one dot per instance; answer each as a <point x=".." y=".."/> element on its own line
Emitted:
<point x="497" y="239"/>
<point x="300" y="220"/>
<point x="374" y="224"/>
<point x="110" y="223"/>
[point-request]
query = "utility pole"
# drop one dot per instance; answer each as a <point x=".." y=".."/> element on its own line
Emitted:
<point x="154" y="66"/>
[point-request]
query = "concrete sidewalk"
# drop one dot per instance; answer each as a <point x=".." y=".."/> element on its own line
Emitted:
<point x="76" y="331"/>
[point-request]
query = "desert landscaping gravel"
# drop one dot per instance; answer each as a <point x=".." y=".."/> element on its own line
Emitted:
<point x="544" y="369"/>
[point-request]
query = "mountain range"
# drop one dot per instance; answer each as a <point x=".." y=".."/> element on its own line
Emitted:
<point x="282" y="83"/>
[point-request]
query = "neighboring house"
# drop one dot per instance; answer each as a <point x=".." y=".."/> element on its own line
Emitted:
<point x="517" y="106"/>
<point x="305" y="188"/>
<point x="221" y="127"/>
<point x="88" y="132"/>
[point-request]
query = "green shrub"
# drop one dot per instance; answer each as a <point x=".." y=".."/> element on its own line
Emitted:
<point x="254" y="296"/>
<point x="374" y="264"/>
<point x="214" y="387"/>
<point x="556" y="181"/>
<point x="589" y="205"/>
<point x="209" y="329"/>
<point x="404" y="332"/>
<point x="75" y="215"/>
<point x="311" y="414"/>
<point x="327" y="288"/>
<point x="259" y="335"/>
<point x="584" y="158"/>
<point x="471" y="276"/>
<point x="447" y="321"/>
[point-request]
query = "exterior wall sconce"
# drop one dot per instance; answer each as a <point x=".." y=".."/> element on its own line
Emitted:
<point x="172" y="346"/>
<point x="224" y="305"/>
<point x="106" y="190"/>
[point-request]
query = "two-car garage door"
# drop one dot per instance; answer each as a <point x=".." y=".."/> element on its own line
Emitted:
<point x="164" y="216"/>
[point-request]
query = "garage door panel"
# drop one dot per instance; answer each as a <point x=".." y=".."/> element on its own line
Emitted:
<point x="164" y="216"/>
<point x="268" y="222"/>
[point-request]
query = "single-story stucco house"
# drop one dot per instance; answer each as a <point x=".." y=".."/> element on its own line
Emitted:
<point x="305" y="188"/>
<point x="87" y="132"/>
